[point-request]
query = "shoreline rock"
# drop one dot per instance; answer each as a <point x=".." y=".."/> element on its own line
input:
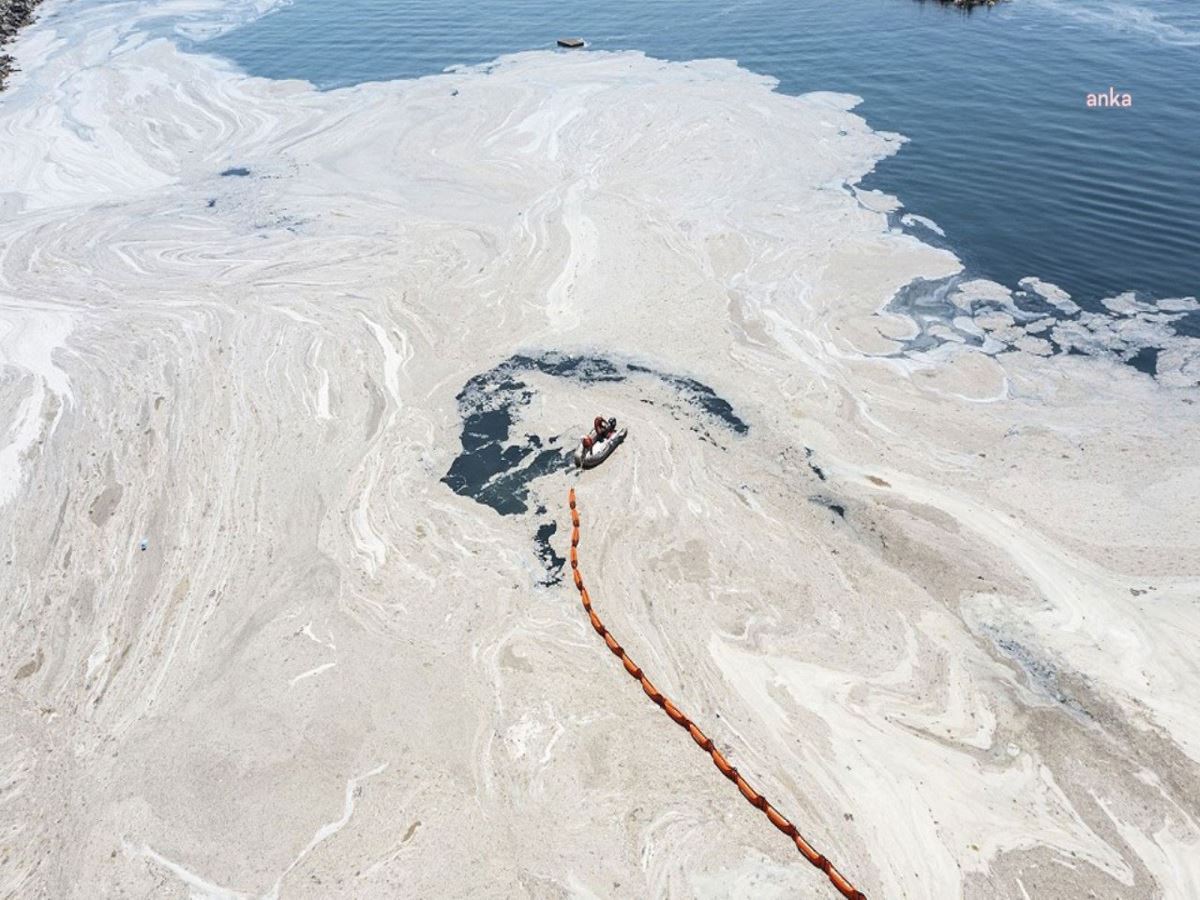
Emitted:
<point x="966" y="5"/>
<point x="14" y="15"/>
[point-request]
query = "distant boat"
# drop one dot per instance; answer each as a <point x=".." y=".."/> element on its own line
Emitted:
<point x="572" y="43"/>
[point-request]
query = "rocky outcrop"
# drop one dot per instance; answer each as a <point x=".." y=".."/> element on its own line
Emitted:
<point x="968" y="4"/>
<point x="14" y="15"/>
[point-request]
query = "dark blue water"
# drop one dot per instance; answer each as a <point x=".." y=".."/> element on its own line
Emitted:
<point x="498" y="465"/>
<point x="1004" y="155"/>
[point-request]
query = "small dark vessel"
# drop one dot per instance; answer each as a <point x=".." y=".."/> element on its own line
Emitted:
<point x="572" y="43"/>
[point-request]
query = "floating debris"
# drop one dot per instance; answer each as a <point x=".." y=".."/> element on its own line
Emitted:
<point x="572" y="43"/>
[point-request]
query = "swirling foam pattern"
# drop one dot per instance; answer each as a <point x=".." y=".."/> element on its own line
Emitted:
<point x="254" y="646"/>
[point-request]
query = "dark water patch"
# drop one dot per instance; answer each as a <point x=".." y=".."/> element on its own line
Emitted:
<point x="816" y="470"/>
<point x="1131" y="329"/>
<point x="236" y="172"/>
<point x="1033" y="305"/>
<point x="551" y="561"/>
<point x="1188" y="325"/>
<point x="834" y="507"/>
<point x="584" y="369"/>
<point x="701" y="395"/>
<point x="491" y="468"/>
<point x="927" y="303"/>
<point x="496" y="466"/>
<point x="1146" y="360"/>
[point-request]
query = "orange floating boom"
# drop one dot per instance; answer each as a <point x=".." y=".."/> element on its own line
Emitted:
<point x="753" y="797"/>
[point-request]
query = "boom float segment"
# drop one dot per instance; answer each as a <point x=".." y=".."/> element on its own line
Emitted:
<point x="753" y="797"/>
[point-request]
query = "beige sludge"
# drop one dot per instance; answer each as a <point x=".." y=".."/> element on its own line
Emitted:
<point x="941" y="607"/>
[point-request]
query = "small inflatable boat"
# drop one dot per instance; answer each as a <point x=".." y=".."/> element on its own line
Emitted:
<point x="588" y="457"/>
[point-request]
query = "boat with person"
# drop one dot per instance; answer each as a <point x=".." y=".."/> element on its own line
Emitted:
<point x="598" y="444"/>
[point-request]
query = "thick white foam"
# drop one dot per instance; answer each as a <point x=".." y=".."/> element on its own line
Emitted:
<point x="257" y="377"/>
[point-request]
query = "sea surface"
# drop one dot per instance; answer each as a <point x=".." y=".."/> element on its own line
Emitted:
<point x="1004" y="155"/>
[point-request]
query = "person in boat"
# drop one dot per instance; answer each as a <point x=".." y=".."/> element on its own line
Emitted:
<point x="603" y="427"/>
<point x="595" y="447"/>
